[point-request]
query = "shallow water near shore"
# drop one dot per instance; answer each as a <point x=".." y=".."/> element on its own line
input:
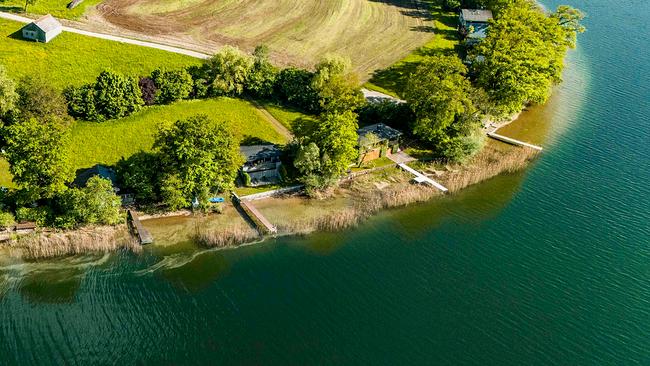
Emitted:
<point x="549" y="266"/>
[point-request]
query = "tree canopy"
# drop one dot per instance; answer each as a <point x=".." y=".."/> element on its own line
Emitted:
<point x="523" y="54"/>
<point x="199" y="156"/>
<point x="37" y="155"/>
<point x="228" y="71"/>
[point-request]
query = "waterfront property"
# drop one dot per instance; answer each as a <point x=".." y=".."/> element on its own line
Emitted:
<point x="262" y="164"/>
<point x="377" y="141"/>
<point x="473" y="24"/>
<point x="44" y="29"/>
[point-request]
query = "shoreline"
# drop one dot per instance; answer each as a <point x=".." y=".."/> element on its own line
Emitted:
<point x="371" y="198"/>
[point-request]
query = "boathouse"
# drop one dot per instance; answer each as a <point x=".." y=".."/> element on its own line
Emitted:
<point x="44" y="29"/>
<point x="378" y="140"/>
<point x="473" y="24"/>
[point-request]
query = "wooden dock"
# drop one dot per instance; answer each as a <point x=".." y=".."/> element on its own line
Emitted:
<point x="512" y="141"/>
<point x="423" y="179"/>
<point x="263" y="225"/>
<point x="143" y="234"/>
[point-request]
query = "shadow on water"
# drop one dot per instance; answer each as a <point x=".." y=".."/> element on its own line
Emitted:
<point x="52" y="286"/>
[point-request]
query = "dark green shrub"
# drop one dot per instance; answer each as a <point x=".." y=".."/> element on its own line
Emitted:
<point x="172" y="85"/>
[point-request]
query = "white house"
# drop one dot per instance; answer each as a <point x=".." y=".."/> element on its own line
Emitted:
<point x="43" y="29"/>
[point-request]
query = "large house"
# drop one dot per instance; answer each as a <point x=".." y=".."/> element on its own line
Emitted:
<point x="262" y="164"/>
<point x="43" y="29"/>
<point x="474" y="24"/>
<point x="378" y="140"/>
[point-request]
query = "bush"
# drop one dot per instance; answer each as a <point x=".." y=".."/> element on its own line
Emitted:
<point x="39" y="215"/>
<point x="172" y="193"/>
<point x="96" y="203"/>
<point x="148" y="90"/>
<point x="172" y="85"/>
<point x="6" y="220"/>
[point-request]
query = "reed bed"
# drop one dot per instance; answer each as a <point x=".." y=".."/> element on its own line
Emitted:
<point x="103" y="239"/>
<point x="228" y="237"/>
<point x="489" y="163"/>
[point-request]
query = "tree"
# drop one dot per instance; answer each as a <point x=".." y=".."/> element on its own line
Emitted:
<point x="171" y="85"/>
<point x="94" y="204"/>
<point x="229" y="70"/>
<point x="111" y="96"/>
<point x="38" y="99"/>
<point x="337" y="86"/>
<point x="308" y="159"/>
<point x="37" y="156"/>
<point x="140" y="175"/>
<point x="8" y="95"/>
<point x="294" y="86"/>
<point x="438" y="93"/>
<point x="116" y="95"/>
<point x="523" y="54"/>
<point x="202" y="154"/>
<point x="263" y="75"/>
<point x="336" y="137"/>
<point x="569" y="19"/>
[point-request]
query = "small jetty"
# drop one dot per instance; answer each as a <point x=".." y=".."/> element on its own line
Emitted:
<point x="511" y="141"/>
<point x="143" y="234"/>
<point x="423" y="179"/>
<point x="263" y="225"/>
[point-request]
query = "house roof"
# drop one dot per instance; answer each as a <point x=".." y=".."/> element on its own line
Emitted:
<point x="382" y="131"/>
<point x="477" y="15"/>
<point x="255" y="153"/>
<point x="47" y="23"/>
<point x="107" y="173"/>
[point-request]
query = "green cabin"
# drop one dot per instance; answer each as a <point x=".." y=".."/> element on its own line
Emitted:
<point x="44" y="29"/>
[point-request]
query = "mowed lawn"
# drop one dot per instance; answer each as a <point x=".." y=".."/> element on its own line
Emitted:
<point x="373" y="34"/>
<point x="107" y="142"/>
<point x="393" y="79"/>
<point x="76" y="59"/>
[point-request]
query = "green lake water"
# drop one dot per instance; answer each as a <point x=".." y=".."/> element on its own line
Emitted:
<point x="550" y="266"/>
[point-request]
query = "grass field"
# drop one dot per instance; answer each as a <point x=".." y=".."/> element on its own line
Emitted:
<point x="284" y="115"/>
<point x="57" y="8"/>
<point x="76" y="59"/>
<point x="392" y="80"/>
<point x="107" y="142"/>
<point x="374" y="34"/>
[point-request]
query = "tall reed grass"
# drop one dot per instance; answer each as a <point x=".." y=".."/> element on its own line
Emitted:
<point x="228" y="237"/>
<point x="101" y="239"/>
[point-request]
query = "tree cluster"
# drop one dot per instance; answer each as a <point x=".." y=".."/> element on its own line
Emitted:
<point x="112" y="95"/>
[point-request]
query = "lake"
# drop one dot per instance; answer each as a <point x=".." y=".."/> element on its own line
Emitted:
<point x="550" y="266"/>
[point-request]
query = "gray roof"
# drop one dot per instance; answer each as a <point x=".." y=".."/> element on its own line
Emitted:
<point x="47" y="23"/>
<point x="255" y="153"/>
<point x="382" y="131"/>
<point x="477" y="15"/>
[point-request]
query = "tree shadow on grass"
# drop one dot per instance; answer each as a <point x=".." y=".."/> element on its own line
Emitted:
<point x="11" y="9"/>
<point x="248" y="140"/>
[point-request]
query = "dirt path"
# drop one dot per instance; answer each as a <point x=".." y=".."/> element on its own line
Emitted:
<point x="279" y="127"/>
<point x="109" y="37"/>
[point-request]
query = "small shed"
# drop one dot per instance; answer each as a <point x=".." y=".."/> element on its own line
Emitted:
<point x="43" y="29"/>
<point x="377" y="141"/>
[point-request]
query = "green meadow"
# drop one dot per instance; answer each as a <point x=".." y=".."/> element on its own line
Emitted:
<point x="57" y="8"/>
<point x="73" y="59"/>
